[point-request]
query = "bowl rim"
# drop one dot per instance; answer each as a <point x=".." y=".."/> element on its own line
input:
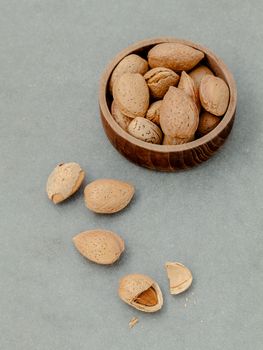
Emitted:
<point x="104" y="109"/>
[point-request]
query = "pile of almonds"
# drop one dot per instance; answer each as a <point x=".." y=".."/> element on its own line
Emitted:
<point x="171" y="99"/>
<point x="108" y="196"/>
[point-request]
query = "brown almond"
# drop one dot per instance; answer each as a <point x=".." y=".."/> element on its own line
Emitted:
<point x="141" y="292"/>
<point x="131" y="95"/>
<point x="207" y="122"/>
<point x="100" y="246"/>
<point x="169" y="140"/>
<point x="178" y="114"/>
<point x="145" y="130"/>
<point x="186" y="84"/>
<point x="159" y="79"/>
<point x="107" y="196"/>
<point x="175" y="56"/>
<point x="180" y="277"/>
<point x="119" y="117"/>
<point x="214" y="95"/>
<point x="153" y="113"/>
<point x="129" y="64"/>
<point x="198" y="73"/>
<point x="64" y="181"/>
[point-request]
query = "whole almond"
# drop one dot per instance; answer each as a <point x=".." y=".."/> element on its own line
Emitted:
<point x="175" y="56"/>
<point x="159" y="79"/>
<point x="207" y="123"/>
<point x="119" y="117"/>
<point x="178" y="114"/>
<point x="153" y="113"/>
<point x="186" y="84"/>
<point x="107" y="196"/>
<point x="169" y="140"/>
<point x="214" y="95"/>
<point x="100" y="246"/>
<point x="141" y="292"/>
<point x="145" y="130"/>
<point x="198" y="73"/>
<point x="131" y="95"/>
<point x="64" y="180"/>
<point x="180" y="277"/>
<point x="129" y="64"/>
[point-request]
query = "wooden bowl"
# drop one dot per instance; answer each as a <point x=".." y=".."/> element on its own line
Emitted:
<point x="160" y="157"/>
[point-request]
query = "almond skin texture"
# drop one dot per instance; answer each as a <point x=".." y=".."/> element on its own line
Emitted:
<point x="100" y="246"/>
<point x="119" y="117"/>
<point x="159" y="79"/>
<point x="129" y="64"/>
<point x="186" y="84"/>
<point x="108" y="196"/>
<point x="207" y="122"/>
<point x="64" y="180"/>
<point x="153" y="113"/>
<point x="141" y="292"/>
<point x="179" y="115"/>
<point x="131" y="95"/>
<point x="198" y="73"/>
<point x="180" y="277"/>
<point x="145" y="130"/>
<point x="175" y="56"/>
<point x="214" y="95"/>
<point x="168" y="140"/>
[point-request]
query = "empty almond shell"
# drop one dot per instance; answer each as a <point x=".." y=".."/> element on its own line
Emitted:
<point x="107" y="196"/>
<point x="180" y="277"/>
<point x="141" y="292"/>
<point x="100" y="246"/>
<point x="64" y="180"/>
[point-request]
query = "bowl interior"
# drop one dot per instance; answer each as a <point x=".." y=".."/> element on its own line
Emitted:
<point x="142" y="48"/>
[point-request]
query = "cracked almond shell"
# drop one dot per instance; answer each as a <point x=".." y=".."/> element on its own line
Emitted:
<point x="100" y="246"/>
<point x="141" y="292"/>
<point x="129" y="64"/>
<point x="145" y="130"/>
<point x="159" y="79"/>
<point x="131" y="95"/>
<point x="64" y="181"/>
<point x="180" y="277"/>
<point x="175" y="56"/>
<point x="178" y="114"/>
<point x="108" y="196"/>
<point x="214" y="95"/>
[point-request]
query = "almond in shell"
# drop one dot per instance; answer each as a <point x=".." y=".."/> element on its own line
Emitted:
<point x="100" y="246"/>
<point x="214" y="95"/>
<point x="198" y="73"/>
<point x="207" y="122"/>
<point x="107" y="196"/>
<point x="178" y="114"/>
<point x="145" y="130"/>
<point x="64" y="180"/>
<point x="175" y="56"/>
<point x="131" y="95"/>
<point x="186" y="84"/>
<point x="159" y="79"/>
<point x="169" y="140"/>
<point x="141" y="292"/>
<point x="153" y="113"/>
<point x="129" y="64"/>
<point x="119" y="117"/>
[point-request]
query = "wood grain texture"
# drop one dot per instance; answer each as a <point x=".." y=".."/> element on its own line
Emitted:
<point x="167" y="157"/>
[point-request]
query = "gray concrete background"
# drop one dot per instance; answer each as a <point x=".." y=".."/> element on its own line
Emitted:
<point x="52" y="54"/>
